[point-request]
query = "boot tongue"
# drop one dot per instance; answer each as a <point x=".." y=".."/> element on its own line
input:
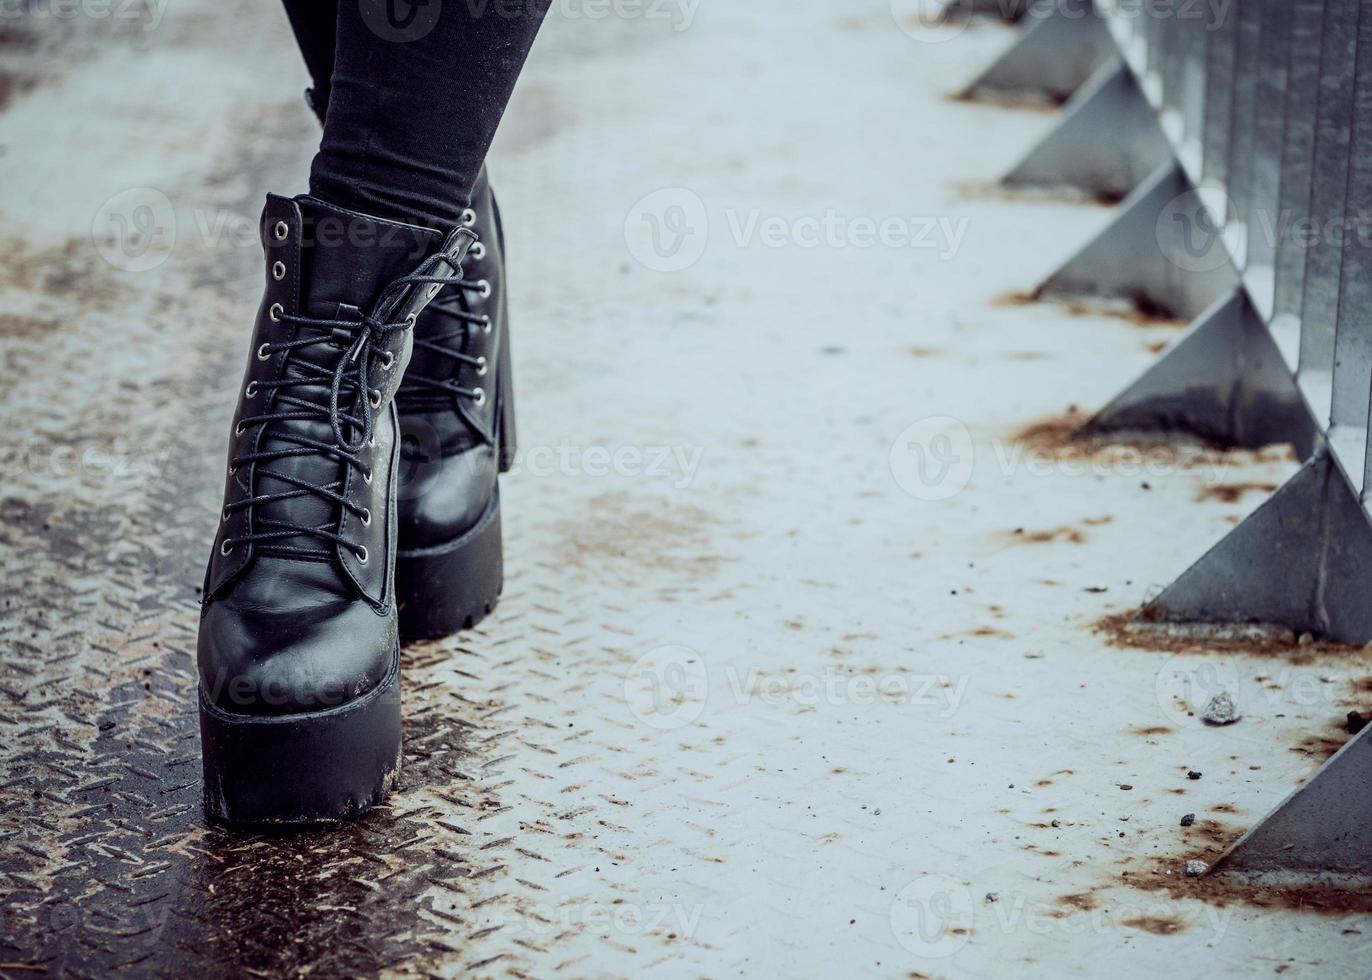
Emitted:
<point x="349" y="259"/>
<point x="346" y="260"/>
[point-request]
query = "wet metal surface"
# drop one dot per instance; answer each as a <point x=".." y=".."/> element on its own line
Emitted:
<point x="746" y="699"/>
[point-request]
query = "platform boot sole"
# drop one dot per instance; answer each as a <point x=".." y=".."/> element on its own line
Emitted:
<point x="316" y="767"/>
<point x="446" y="588"/>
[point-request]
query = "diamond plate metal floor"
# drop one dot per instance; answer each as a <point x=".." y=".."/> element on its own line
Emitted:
<point x="748" y="706"/>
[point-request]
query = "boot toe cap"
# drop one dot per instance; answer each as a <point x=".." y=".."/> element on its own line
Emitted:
<point x="257" y="661"/>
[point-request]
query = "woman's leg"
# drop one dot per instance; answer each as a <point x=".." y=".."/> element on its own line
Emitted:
<point x="315" y="23"/>
<point x="414" y="92"/>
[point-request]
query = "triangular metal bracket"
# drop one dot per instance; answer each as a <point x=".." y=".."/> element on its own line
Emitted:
<point x="1162" y="251"/>
<point x="1056" y="53"/>
<point x="1322" y="827"/>
<point x="1106" y="144"/>
<point x="1223" y="380"/>
<point x="1300" y="561"/>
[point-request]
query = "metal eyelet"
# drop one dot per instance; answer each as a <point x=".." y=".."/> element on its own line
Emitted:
<point x="238" y="429"/>
<point x="233" y="470"/>
<point x="477" y="251"/>
<point x="226" y="547"/>
<point x="278" y="271"/>
<point x="371" y="443"/>
<point x="410" y="321"/>
<point x="390" y="359"/>
<point x="374" y="396"/>
<point x="281" y="230"/>
<point x="366" y="517"/>
<point x="433" y="289"/>
<point x="275" y="312"/>
<point x="263" y="353"/>
<point x="250" y="390"/>
<point x="481" y="367"/>
<point x="485" y="286"/>
<point x="480" y="397"/>
<point x="361" y="554"/>
<point x="367" y="478"/>
<point x="224" y="515"/>
<point x="486" y="323"/>
<point x="468" y="217"/>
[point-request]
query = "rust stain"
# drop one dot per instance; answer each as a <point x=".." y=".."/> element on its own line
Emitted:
<point x="1158" y="925"/>
<point x="1230" y="493"/>
<point x="1120" y="630"/>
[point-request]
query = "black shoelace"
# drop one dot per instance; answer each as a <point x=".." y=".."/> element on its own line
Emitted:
<point x="418" y="391"/>
<point x="346" y="383"/>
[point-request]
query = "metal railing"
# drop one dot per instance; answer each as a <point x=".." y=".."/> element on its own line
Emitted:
<point x="1239" y="137"/>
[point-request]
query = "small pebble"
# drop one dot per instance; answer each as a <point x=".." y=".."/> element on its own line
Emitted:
<point x="1056" y="823"/>
<point x="1194" y="869"/>
<point x="1305" y="639"/>
<point x="1126" y="786"/>
<point x="1188" y="819"/>
<point x="1192" y="774"/>
<point x="1220" y="710"/>
<point x="992" y="897"/>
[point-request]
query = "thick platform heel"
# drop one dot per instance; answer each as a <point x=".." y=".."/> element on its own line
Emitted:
<point x="450" y="587"/>
<point x="317" y="767"/>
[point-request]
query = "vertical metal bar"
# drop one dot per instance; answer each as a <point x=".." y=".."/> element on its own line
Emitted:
<point x="1245" y="93"/>
<point x="1192" y="95"/>
<point x="1170" y="52"/>
<point x="1221" y="42"/>
<point x="1269" y="117"/>
<point x="1298" y="154"/>
<point x="1353" y="327"/>
<point x="1328" y="185"/>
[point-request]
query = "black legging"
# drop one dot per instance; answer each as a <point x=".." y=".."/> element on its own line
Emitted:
<point x="410" y="92"/>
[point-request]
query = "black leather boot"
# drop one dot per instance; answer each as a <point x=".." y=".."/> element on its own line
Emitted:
<point x="457" y="424"/>
<point x="298" y="648"/>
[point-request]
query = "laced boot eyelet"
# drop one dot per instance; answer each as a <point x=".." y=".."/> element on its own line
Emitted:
<point x="250" y="390"/>
<point x="361" y="554"/>
<point x="264" y="352"/>
<point x="281" y="231"/>
<point x="484" y="285"/>
<point x="390" y="356"/>
<point x="486" y="325"/>
<point x="410" y="320"/>
<point x="468" y="217"/>
<point x="480" y="397"/>
<point x="238" y="429"/>
<point x="434" y="287"/>
<point x="233" y="470"/>
<point x="477" y="251"/>
<point x="374" y="396"/>
<point x="481" y="367"/>
<point x="275" y="312"/>
<point x="367" y="478"/>
<point x="224" y="515"/>
<point x="278" y="271"/>
<point x="226" y="547"/>
<point x="366" y="517"/>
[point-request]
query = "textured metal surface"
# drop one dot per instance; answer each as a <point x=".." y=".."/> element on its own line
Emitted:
<point x="555" y="817"/>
